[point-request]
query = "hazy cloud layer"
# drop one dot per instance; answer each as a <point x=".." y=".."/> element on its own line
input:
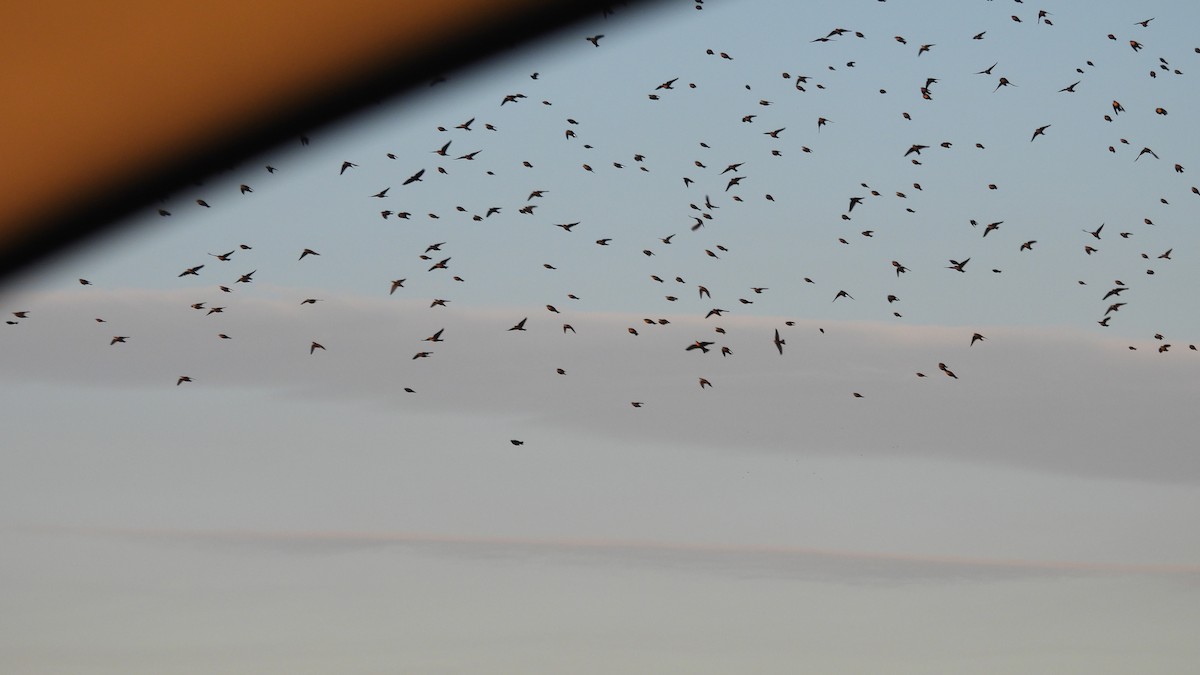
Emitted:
<point x="1052" y="399"/>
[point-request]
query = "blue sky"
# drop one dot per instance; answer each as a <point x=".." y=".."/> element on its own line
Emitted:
<point x="296" y="512"/>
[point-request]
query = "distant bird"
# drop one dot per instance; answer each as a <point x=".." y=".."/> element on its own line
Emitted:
<point x="315" y="346"/>
<point x="415" y="178"/>
<point x="346" y="165"/>
<point x="705" y="383"/>
<point x="520" y="324"/>
<point x="182" y="379"/>
<point x="976" y="338"/>
<point x="595" y="40"/>
<point x="192" y="271"/>
<point x="1040" y="131"/>
<point x="306" y="252"/>
<point x="396" y="283"/>
<point x="516" y="442"/>
<point x="957" y="265"/>
<point x="118" y="338"/>
<point x="779" y="342"/>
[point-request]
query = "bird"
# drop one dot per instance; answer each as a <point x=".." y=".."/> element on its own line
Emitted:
<point x="1040" y="131"/>
<point x="977" y="337"/>
<point x="415" y="178"/>
<point x="842" y="294"/>
<point x="705" y="383"/>
<point x="520" y="324"/>
<point x="517" y="442"/>
<point x="307" y="252"/>
<point x="779" y="342"/>
<point x="421" y="355"/>
<point x="118" y="338"/>
<point x="595" y="40"/>
<point x="957" y="265"/>
<point x="182" y="379"/>
<point x="346" y="165"/>
<point x="194" y="271"/>
<point x="396" y="283"/>
<point x="310" y="301"/>
<point x="315" y="346"/>
<point x="949" y="373"/>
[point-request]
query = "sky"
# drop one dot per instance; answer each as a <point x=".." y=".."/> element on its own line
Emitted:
<point x="839" y="503"/>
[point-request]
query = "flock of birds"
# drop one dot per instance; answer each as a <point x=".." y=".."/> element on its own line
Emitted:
<point x="708" y="191"/>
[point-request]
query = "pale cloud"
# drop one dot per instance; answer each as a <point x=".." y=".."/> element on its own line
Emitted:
<point x="823" y="564"/>
<point x="1051" y="399"/>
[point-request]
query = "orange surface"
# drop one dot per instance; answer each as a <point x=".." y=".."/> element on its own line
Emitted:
<point x="97" y="94"/>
